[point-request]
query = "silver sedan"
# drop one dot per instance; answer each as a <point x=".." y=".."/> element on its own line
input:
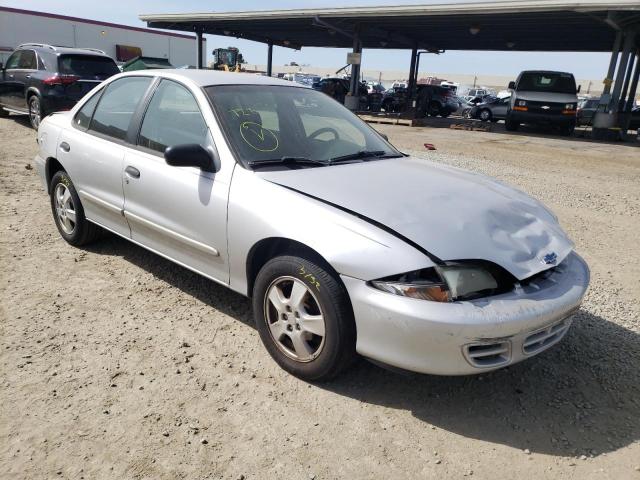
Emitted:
<point x="345" y="245"/>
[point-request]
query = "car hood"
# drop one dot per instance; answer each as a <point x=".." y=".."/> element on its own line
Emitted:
<point x="452" y="213"/>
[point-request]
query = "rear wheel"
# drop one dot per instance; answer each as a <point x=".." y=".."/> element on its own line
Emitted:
<point x="68" y="213"/>
<point x="35" y="111"/>
<point x="434" y="109"/>
<point x="567" y="131"/>
<point x="304" y="318"/>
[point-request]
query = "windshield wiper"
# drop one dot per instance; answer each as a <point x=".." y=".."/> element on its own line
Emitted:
<point x="287" y="161"/>
<point x="362" y="155"/>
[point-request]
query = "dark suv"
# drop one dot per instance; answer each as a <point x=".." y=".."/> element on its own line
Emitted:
<point x="39" y="79"/>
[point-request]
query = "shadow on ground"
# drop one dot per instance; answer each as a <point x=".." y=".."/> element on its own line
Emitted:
<point x="580" y="397"/>
<point x="581" y="134"/>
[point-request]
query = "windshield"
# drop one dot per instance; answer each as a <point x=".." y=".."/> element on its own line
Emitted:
<point x="547" y="82"/>
<point x="90" y="67"/>
<point x="268" y="122"/>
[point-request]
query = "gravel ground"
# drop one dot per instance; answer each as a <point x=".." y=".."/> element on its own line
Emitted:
<point x="118" y="364"/>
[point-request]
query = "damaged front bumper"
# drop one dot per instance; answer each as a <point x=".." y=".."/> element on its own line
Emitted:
<point x="468" y="337"/>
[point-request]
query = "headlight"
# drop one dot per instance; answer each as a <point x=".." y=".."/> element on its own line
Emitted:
<point x="441" y="284"/>
<point x="522" y="103"/>
<point x="570" y="106"/>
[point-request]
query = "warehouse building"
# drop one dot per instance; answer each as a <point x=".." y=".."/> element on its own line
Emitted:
<point x="122" y="42"/>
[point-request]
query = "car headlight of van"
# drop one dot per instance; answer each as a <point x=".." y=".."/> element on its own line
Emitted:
<point x="441" y="284"/>
<point x="522" y="103"/>
<point x="570" y="106"/>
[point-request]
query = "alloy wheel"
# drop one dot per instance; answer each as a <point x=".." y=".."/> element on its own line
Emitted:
<point x="34" y="111"/>
<point x="295" y="319"/>
<point x="65" y="209"/>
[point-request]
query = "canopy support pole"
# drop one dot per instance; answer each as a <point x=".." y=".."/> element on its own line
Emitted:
<point x="199" y="48"/>
<point x="269" y="59"/>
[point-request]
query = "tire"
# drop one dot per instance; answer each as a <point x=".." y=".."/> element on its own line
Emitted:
<point x="298" y="346"/>
<point x="485" y="115"/>
<point x="510" y="125"/>
<point x="68" y="213"/>
<point x="434" y="109"/>
<point x="36" y="115"/>
<point x="567" y="131"/>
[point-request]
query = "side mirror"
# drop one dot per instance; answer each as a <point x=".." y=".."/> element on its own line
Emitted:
<point x="512" y="85"/>
<point x="191" y="155"/>
<point x="579" y="87"/>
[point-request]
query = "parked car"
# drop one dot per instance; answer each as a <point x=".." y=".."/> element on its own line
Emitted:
<point x="39" y="79"/>
<point x="374" y="87"/>
<point x="338" y="87"/>
<point x="635" y="119"/>
<point x="344" y="244"/>
<point x="434" y="100"/>
<point x="543" y="98"/>
<point x="394" y="99"/>
<point x="586" y="110"/>
<point x="491" y="109"/>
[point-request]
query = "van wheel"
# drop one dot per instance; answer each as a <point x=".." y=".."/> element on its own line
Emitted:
<point x="304" y="317"/>
<point x="68" y="213"/>
<point x="567" y="131"/>
<point x="510" y="125"/>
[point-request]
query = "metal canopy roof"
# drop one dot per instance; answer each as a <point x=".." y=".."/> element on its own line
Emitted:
<point x="543" y="25"/>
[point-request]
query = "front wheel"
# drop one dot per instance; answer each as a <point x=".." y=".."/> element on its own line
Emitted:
<point x="68" y="213"/>
<point x="304" y="317"/>
<point x="485" y="115"/>
<point x="510" y="125"/>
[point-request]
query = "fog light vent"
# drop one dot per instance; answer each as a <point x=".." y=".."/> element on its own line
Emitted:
<point x="485" y="355"/>
<point x="543" y="339"/>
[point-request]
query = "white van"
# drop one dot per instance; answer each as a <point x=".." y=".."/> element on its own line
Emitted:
<point x="543" y="98"/>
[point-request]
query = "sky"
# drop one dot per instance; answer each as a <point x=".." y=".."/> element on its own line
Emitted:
<point x="582" y="65"/>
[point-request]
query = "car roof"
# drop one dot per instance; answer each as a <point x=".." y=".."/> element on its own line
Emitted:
<point x="207" y="78"/>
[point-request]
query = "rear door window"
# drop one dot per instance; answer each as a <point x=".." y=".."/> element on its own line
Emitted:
<point x="117" y="105"/>
<point x="88" y="67"/>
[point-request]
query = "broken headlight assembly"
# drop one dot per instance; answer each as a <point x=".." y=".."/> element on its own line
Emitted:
<point x="448" y="283"/>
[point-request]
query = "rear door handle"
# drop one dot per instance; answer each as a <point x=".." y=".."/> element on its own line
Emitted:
<point x="65" y="146"/>
<point x="133" y="172"/>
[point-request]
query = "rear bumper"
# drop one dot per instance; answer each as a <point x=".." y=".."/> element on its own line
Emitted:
<point x="469" y="337"/>
<point x="39" y="162"/>
<point x="543" y="118"/>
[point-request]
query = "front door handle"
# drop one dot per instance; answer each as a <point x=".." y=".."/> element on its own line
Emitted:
<point x="133" y="172"/>
<point x="65" y="146"/>
<point x="27" y="76"/>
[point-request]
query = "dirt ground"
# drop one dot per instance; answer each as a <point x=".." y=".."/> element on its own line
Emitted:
<point x="116" y="364"/>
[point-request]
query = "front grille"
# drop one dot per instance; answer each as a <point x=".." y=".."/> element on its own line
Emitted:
<point x="553" y="108"/>
<point x="488" y="354"/>
<point x="546" y="337"/>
